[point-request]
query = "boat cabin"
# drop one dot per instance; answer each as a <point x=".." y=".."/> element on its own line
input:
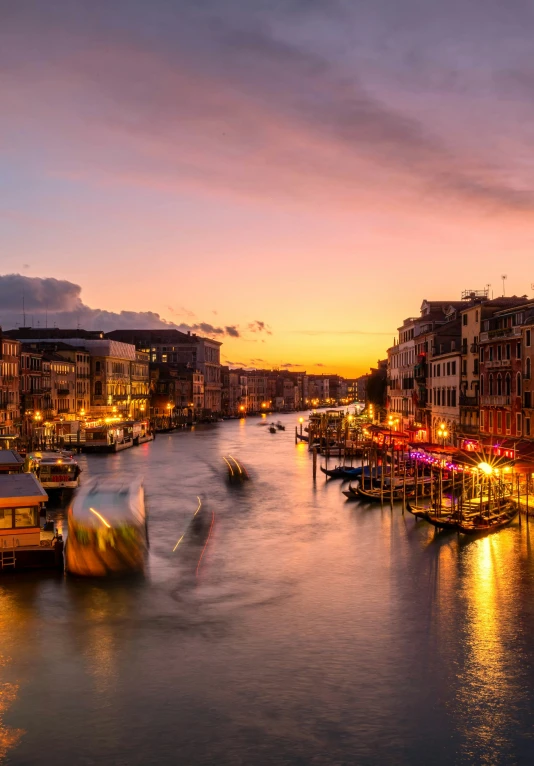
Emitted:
<point x="109" y="437"/>
<point x="21" y="498"/>
<point x="10" y="462"/>
<point x="56" y="470"/>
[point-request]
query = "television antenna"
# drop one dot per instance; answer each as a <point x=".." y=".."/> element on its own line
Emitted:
<point x="504" y="277"/>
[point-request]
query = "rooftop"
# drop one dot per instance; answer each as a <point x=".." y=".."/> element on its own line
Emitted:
<point x="20" y="487"/>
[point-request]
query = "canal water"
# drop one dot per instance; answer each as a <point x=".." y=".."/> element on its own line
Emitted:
<point x="313" y="630"/>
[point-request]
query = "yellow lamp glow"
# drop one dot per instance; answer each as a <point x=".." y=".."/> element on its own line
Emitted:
<point x="485" y="468"/>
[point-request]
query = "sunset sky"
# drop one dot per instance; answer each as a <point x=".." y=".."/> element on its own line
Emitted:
<point x="297" y="175"/>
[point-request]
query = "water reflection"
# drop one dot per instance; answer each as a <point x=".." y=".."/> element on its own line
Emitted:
<point x="317" y="631"/>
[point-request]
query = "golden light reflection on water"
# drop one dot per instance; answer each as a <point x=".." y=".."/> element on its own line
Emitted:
<point x="486" y="690"/>
<point x="11" y="621"/>
<point x="100" y="651"/>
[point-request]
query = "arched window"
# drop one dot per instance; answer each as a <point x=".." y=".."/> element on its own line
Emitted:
<point x="499" y="385"/>
<point x="508" y="384"/>
<point x="518" y="384"/>
<point x="98" y="388"/>
<point x="491" y="384"/>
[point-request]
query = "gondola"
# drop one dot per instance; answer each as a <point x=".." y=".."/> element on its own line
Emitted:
<point x="272" y="429"/>
<point x="482" y="523"/>
<point x="351" y="493"/>
<point x="280" y="426"/>
<point x="341" y="472"/>
<point x="381" y="495"/>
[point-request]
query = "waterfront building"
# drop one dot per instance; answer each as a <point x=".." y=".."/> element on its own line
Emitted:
<point x="175" y="347"/>
<point x="259" y="396"/>
<point x="62" y="385"/>
<point x="501" y="367"/>
<point x="527" y="360"/>
<point x="140" y="386"/>
<point x="480" y="308"/>
<point x="318" y="388"/>
<point x="9" y="388"/>
<point x="234" y="390"/>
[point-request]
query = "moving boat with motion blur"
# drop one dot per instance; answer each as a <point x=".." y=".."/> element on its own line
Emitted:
<point x="237" y="473"/>
<point x="107" y="529"/>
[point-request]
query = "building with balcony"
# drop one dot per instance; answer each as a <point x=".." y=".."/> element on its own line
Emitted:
<point x="234" y="390"/>
<point x="175" y="347"/>
<point x="9" y="387"/>
<point x="445" y="394"/>
<point x="62" y="385"/>
<point x="501" y="379"/>
<point x="527" y="360"/>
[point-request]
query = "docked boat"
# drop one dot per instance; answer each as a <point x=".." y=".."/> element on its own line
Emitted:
<point x="22" y="543"/>
<point x="494" y="519"/>
<point x="111" y="437"/>
<point x="350" y="472"/>
<point x="57" y="471"/>
<point x="107" y="529"/>
<point x="351" y="493"/>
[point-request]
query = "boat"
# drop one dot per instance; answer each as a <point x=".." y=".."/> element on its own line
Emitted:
<point x="57" y="471"/>
<point x="237" y="473"/>
<point x="341" y="472"/>
<point x="351" y="493"/>
<point x="272" y="429"/>
<point x="107" y="529"/>
<point x="23" y="544"/>
<point x="494" y="519"/>
<point x="111" y="437"/>
<point x="280" y="426"/>
<point x="10" y="462"/>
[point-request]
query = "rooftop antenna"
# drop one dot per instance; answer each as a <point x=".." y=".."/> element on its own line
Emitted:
<point x="504" y="277"/>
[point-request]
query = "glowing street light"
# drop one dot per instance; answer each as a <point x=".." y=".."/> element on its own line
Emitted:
<point x="442" y="433"/>
<point x="485" y="468"/>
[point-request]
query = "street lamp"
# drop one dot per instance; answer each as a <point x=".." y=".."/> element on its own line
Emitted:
<point x="442" y="433"/>
<point x="301" y="421"/>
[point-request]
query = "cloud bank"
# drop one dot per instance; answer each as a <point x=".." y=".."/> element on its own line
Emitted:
<point x="49" y="302"/>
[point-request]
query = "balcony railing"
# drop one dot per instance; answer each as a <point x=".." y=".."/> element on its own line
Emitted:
<point x="503" y="332"/>
<point x="63" y="391"/>
<point x="468" y="401"/>
<point x="498" y="363"/>
<point x="495" y="400"/>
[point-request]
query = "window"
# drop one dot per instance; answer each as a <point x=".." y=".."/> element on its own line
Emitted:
<point x="527" y="426"/>
<point x="98" y="388"/>
<point x="27" y="517"/>
<point x="499" y="352"/>
<point x="508" y="422"/>
<point x="453" y="397"/>
<point x="6" y="518"/>
<point x="508" y="351"/>
<point x="499" y="422"/>
<point x="448" y="397"/>
<point x="482" y="423"/>
<point x="481" y="354"/>
<point x="464" y="320"/>
<point x="491" y="385"/>
<point x="490" y="354"/>
<point x="475" y="367"/>
<point x="98" y="368"/>
<point x="482" y="385"/>
<point x="491" y="420"/>
<point x="448" y="368"/>
<point x="508" y="385"/>
<point x="453" y="368"/>
<point x="528" y="367"/>
<point x="528" y="400"/>
<point x="518" y="423"/>
<point x="464" y="366"/>
<point x="476" y="316"/>
<point x="518" y="351"/>
<point x="527" y="338"/>
<point x="518" y="384"/>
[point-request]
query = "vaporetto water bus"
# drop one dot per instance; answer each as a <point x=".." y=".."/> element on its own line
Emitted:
<point x="107" y="529"/>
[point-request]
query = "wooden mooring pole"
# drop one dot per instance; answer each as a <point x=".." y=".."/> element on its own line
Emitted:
<point x="314" y="462"/>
